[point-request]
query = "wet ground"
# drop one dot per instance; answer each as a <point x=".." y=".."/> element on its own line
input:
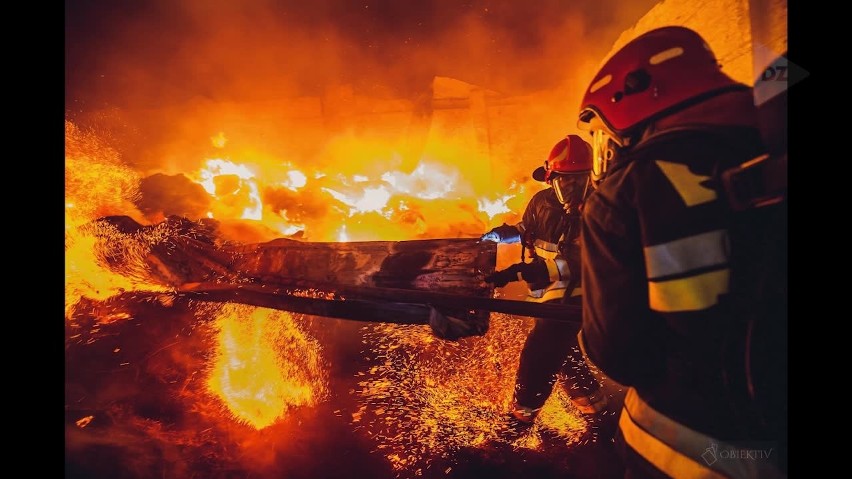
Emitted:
<point x="136" y="407"/>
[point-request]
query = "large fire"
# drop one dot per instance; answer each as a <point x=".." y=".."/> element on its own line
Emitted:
<point x="373" y="203"/>
<point x="424" y="398"/>
<point x="319" y="121"/>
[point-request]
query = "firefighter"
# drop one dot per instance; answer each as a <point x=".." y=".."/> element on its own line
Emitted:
<point x="550" y="232"/>
<point x="665" y="120"/>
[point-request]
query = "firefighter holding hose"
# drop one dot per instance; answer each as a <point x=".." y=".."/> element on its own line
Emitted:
<point x="550" y="265"/>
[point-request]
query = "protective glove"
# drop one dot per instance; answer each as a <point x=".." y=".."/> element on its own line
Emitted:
<point x="502" y="234"/>
<point x="503" y="277"/>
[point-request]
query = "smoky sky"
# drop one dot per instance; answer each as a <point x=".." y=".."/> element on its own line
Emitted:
<point x="133" y="52"/>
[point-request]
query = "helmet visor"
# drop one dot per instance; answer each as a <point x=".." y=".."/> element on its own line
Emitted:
<point x="603" y="152"/>
<point x="569" y="188"/>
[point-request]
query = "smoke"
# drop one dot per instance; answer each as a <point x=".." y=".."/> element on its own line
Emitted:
<point x="182" y="70"/>
<point x="161" y="52"/>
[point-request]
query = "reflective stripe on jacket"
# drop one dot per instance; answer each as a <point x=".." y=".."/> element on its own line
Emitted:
<point x="655" y="273"/>
<point x="557" y="272"/>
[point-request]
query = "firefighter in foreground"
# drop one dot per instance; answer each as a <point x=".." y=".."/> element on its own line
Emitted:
<point x="655" y="263"/>
<point x="550" y="231"/>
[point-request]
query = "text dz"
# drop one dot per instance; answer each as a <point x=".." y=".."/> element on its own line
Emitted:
<point x="776" y="73"/>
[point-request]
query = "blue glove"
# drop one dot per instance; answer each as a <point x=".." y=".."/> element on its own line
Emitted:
<point x="502" y="234"/>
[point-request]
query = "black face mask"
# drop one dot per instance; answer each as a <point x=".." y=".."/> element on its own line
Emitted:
<point x="569" y="189"/>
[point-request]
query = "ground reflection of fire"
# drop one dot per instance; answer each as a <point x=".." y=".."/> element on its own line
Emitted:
<point x="427" y="398"/>
<point x="264" y="364"/>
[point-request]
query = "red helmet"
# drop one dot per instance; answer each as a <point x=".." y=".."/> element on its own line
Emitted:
<point x="655" y="74"/>
<point x="570" y="155"/>
<point x="652" y="76"/>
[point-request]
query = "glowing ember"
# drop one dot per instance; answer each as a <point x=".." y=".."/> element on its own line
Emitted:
<point x="97" y="183"/>
<point x="427" y="397"/>
<point x="84" y="421"/>
<point x="264" y="364"/>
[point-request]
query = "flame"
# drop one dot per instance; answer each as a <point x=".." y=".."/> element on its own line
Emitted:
<point x="295" y="180"/>
<point x="436" y="197"/>
<point x="243" y="196"/>
<point x="494" y="207"/>
<point x="219" y="141"/>
<point x="97" y="184"/>
<point x="263" y="365"/>
<point x="428" y="181"/>
<point x="427" y="398"/>
<point x="369" y="199"/>
<point x="101" y="262"/>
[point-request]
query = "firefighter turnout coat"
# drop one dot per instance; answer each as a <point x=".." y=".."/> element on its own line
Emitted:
<point x="552" y="237"/>
<point x="655" y="268"/>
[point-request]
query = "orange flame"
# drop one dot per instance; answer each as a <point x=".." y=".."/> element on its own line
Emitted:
<point x="434" y="199"/>
<point x="219" y="141"/>
<point x="98" y="184"/>
<point x="264" y="364"/>
<point x="243" y="194"/>
<point x="438" y="398"/>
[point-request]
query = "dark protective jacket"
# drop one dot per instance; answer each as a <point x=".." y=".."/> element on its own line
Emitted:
<point x="553" y="275"/>
<point x="655" y="271"/>
<point x="552" y="237"/>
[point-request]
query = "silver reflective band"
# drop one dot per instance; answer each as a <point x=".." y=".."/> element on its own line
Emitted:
<point x="558" y="191"/>
<point x="687" y="254"/>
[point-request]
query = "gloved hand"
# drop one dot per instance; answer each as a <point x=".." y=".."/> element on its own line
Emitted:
<point x="502" y="234"/>
<point x="502" y="278"/>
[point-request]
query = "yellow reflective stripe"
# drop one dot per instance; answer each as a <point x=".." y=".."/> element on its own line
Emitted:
<point x="687" y="184"/>
<point x="660" y="454"/>
<point x="688" y="294"/>
<point x="655" y="435"/>
<point x="552" y="270"/>
<point x="577" y="292"/>
<point x="687" y="254"/>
